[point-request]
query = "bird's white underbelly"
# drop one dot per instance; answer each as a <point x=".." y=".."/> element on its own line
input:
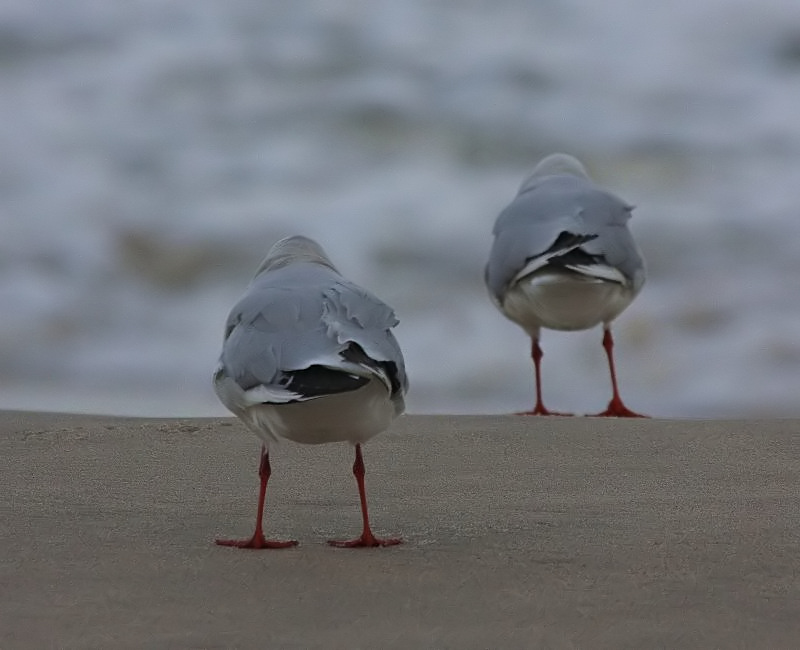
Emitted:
<point x="354" y="416"/>
<point x="564" y="301"/>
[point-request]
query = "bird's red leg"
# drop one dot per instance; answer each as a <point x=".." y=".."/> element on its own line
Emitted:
<point x="536" y="355"/>
<point x="615" y="407"/>
<point x="367" y="538"/>
<point x="257" y="540"/>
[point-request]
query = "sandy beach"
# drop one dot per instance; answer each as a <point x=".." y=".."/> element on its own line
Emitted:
<point x="519" y="533"/>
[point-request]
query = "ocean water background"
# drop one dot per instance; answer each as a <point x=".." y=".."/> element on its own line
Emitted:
<point x="153" y="151"/>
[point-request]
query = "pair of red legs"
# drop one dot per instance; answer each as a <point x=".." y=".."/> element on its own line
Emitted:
<point x="616" y="408"/>
<point x="258" y="540"/>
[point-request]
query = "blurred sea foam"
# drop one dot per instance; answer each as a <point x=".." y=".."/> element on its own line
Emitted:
<point x="153" y="151"/>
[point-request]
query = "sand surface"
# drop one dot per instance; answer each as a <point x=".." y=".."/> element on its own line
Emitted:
<point x="519" y="533"/>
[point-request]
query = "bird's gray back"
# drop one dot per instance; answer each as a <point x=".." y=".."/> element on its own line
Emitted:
<point x="301" y="315"/>
<point x="549" y="206"/>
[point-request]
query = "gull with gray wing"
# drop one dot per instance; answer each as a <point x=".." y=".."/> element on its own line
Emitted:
<point x="564" y="259"/>
<point x="310" y="357"/>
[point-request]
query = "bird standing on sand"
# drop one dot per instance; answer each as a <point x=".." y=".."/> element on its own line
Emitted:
<point x="310" y="356"/>
<point x="564" y="259"/>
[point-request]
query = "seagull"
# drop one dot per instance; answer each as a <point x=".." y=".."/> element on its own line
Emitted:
<point x="310" y="357"/>
<point x="564" y="259"/>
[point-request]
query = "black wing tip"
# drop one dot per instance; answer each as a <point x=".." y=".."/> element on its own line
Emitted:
<point x="318" y="381"/>
<point x="570" y="243"/>
<point x="568" y="240"/>
<point x="356" y="354"/>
